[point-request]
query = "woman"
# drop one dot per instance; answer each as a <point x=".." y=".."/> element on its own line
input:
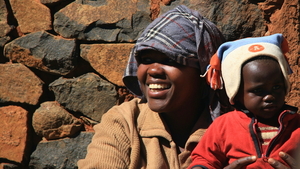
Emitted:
<point x="162" y="128"/>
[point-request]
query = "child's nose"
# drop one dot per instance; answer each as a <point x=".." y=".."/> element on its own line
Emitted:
<point x="269" y="98"/>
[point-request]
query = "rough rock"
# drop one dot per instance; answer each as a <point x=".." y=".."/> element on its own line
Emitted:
<point x="10" y="166"/>
<point x="281" y="17"/>
<point x="107" y="59"/>
<point x="94" y="21"/>
<point x="87" y="94"/>
<point x="53" y="2"/>
<point x="14" y="143"/>
<point x="3" y="41"/>
<point x="5" y="28"/>
<point x="236" y="19"/>
<point x="58" y="154"/>
<point x="124" y="95"/>
<point x="44" y="51"/>
<point x="52" y="121"/>
<point x="31" y="15"/>
<point x="19" y="84"/>
<point x="155" y="7"/>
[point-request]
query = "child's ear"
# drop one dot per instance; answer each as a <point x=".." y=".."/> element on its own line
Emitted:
<point x="224" y="100"/>
<point x="238" y="99"/>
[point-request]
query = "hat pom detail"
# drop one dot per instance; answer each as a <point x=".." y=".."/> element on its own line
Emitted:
<point x="213" y="74"/>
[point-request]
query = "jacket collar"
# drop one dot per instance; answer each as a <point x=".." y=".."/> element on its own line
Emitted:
<point x="151" y="125"/>
<point x="286" y="115"/>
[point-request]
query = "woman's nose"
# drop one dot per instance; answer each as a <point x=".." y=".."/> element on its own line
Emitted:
<point x="155" y="69"/>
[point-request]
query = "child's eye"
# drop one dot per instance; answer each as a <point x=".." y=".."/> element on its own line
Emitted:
<point x="257" y="91"/>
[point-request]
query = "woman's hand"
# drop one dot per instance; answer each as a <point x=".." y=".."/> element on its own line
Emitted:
<point x="242" y="162"/>
<point x="287" y="158"/>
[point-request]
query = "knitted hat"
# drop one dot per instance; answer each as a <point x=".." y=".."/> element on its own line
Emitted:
<point x="230" y="57"/>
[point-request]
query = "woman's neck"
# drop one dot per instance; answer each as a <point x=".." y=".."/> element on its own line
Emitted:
<point x="181" y="123"/>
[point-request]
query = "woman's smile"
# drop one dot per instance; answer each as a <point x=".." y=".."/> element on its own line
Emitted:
<point x="158" y="87"/>
<point x="158" y="91"/>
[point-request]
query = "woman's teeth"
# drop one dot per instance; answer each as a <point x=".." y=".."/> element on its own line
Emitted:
<point x="154" y="87"/>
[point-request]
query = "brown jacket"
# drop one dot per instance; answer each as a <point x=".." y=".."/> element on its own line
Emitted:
<point x="132" y="136"/>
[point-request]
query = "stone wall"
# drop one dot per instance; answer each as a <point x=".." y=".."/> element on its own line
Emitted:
<point x="61" y="64"/>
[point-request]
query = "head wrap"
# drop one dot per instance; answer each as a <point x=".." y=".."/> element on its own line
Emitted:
<point x="227" y="63"/>
<point x="183" y="35"/>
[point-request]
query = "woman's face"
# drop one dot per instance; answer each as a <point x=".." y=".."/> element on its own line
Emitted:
<point x="167" y="85"/>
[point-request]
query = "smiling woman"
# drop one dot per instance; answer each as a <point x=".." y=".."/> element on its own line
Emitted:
<point x="167" y="85"/>
<point x="162" y="127"/>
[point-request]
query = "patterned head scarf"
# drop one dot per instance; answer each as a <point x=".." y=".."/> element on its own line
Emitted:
<point x="183" y="35"/>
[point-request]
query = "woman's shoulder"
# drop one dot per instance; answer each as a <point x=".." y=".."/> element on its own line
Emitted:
<point x="129" y="111"/>
<point x="133" y="106"/>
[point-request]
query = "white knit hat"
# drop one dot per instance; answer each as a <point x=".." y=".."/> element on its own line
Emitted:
<point x="231" y="55"/>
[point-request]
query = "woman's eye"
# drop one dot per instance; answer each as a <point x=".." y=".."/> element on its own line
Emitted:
<point x="171" y="62"/>
<point x="146" y="61"/>
<point x="276" y="87"/>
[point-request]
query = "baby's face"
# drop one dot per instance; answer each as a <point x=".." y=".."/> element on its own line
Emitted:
<point x="262" y="90"/>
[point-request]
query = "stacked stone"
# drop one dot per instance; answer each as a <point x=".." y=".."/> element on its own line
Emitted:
<point x="62" y="61"/>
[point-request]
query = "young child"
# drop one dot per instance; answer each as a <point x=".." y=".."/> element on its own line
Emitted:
<point x="255" y="73"/>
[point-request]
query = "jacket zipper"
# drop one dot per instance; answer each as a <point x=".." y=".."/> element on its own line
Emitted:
<point x="253" y="134"/>
<point x="257" y="144"/>
<point x="272" y="142"/>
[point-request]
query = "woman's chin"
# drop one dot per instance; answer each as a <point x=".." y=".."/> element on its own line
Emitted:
<point x="158" y="105"/>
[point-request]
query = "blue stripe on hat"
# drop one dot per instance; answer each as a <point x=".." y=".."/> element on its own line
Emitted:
<point x="228" y="47"/>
